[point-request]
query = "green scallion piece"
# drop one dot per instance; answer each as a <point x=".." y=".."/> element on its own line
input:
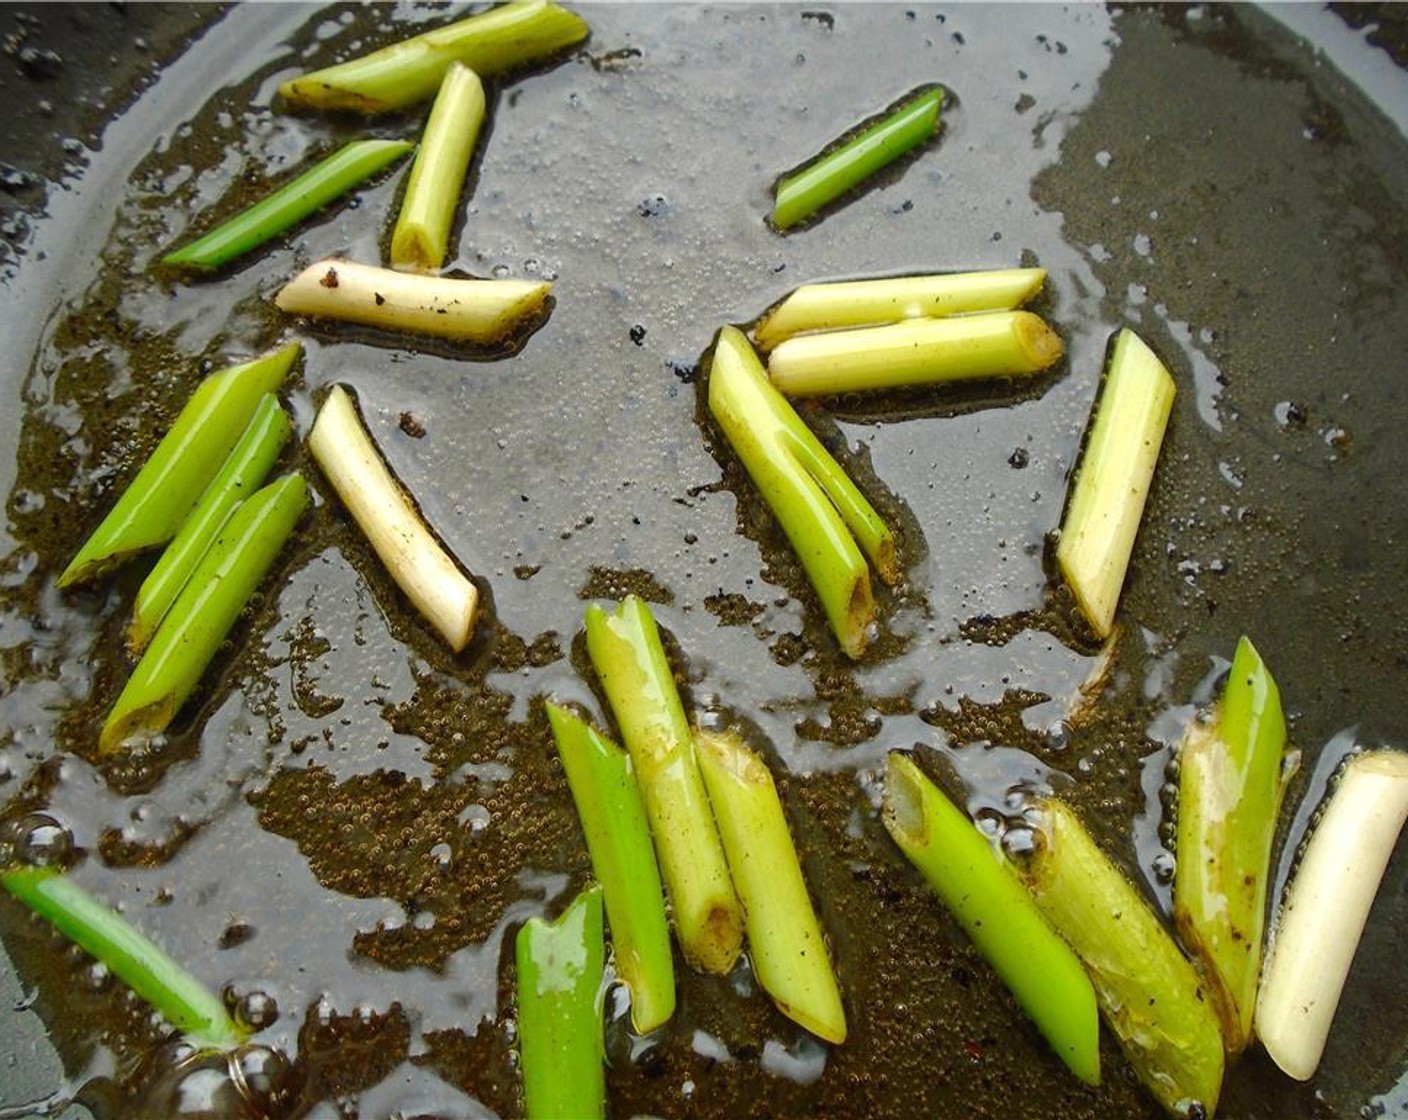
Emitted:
<point x="1230" y="782"/>
<point x="290" y="204"/>
<point x="250" y="460"/>
<point x="422" y="234"/>
<point x="491" y="42"/>
<point x="802" y="193"/>
<point x="978" y="888"/>
<point x="561" y="974"/>
<point x="630" y="662"/>
<point x="1148" y="991"/>
<point x="914" y="352"/>
<point x="129" y="954"/>
<point x="1113" y="478"/>
<point x="825" y="516"/>
<point x="618" y="838"/>
<point x="203" y="613"/>
<point x="785" y="942"/>
<point x="170" y="483"/>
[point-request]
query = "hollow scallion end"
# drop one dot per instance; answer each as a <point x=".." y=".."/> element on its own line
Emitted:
<point x="422" y="234"/>
<point x="561" y="980"/>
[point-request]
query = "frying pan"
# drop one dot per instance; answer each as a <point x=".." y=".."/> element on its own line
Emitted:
<point x="351" y="823"/>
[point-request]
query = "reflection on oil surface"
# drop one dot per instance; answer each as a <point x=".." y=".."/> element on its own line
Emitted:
<point x="347" y="822"/>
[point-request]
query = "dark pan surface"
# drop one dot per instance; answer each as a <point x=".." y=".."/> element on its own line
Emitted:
<point x="354" y="822"/>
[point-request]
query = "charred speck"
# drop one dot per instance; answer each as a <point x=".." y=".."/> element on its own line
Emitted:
<point x="380" y="299"/>
<point x="653" y="206"/>
<point x="412" y="426"/>
<point x="684" y="371"/>
<point x="1018" y="459"/>
<point x="638" y="335"/>
<point x="236" y="933"/>
<point x="329" y="279"/>
<point x="825" y="19"/>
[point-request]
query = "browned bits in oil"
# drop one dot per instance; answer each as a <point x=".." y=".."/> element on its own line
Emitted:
<point x="329" y="279"/>
<point x="410" y="424"/>
<point x="380" y="299"/>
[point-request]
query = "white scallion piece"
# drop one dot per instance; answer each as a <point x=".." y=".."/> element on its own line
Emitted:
<point x="416" y="560"/>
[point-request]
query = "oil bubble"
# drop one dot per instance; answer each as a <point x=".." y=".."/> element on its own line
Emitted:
<point x="37" y="840"/>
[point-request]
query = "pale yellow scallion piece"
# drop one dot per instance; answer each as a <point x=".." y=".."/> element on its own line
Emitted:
<point x="785" y="941"/>
<point x="914" y="352"/>
<point x="1112" y="479"/>
<point x="863" y="303"/>
<point x="479" y="311"/>
<point x="422" y="235"/>
<point x="382" y="509"/>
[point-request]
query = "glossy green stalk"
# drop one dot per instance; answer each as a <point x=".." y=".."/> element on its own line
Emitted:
<point x="290" y="204"/>
<point x="250" y="460"/>
<point x="785" y="942"/>
<point x="914" y="352"/>
<point x="1325" y="907"/>
<point x="203" y="613"/>
<point x="805" y="191"/>
<point x="485" y="312"/>
<point x="491" y="42"/>
<point x="561" y="981"/>
<point x="170" y="483"/>
<point x="1230" y="781"/>
<point x="865" y="303"/>
<point x="415" y="559"/>
<point x="995" y="910"/>
<point x="630" y="662"/>
<point x="818" y="506"/>
<point x="618" y="838"/>
<point x="422" y="233"/>
<point x="129" y="954"/>
<point x="1148" y="991"/>
<point x="1113" y="478"/>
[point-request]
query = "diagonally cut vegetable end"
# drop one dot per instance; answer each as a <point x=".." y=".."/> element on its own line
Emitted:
<point x="1042" y="345"/>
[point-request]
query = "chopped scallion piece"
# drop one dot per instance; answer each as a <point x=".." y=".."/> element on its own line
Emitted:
<point x="630" y="662"/>
<point x="618" y="838"/>
<point x="1324" y="909"/>
<point x="802" y="193"/>
<point x="490" y="42"/>
<point x="914" y="352"/>
<point x="1112" y="479"/>
<point x="422" y="233"/>
<point x="290" y="204"/>
<point x="190" y="635"/>
<point x="561" y="974"/>
<point x="424" y="570"/>
<point x="825" y="516"/>
<point x="785" y="942"/>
